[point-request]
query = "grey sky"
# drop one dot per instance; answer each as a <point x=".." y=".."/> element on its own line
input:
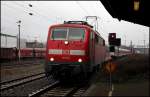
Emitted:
<point x="46" y="13"/>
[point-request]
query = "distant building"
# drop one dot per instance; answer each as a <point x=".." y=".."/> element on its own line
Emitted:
<point x="35" y="44"/>
<point x="8" y="41"/>
<point x="22" y="43"/>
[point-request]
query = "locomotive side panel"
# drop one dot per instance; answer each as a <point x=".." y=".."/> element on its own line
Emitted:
<point x="100" y="50"/>
<point x="97" y="50"/>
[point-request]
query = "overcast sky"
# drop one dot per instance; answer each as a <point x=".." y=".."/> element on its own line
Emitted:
<point x="46" y="13"/>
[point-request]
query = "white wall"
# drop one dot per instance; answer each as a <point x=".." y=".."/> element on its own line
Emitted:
<point x="8" y="41"/>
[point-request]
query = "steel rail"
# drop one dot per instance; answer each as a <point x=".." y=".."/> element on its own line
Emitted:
<point x="20" y="82"/>
<point x="7" y="65"/>
<point x="5" y="82"/>
<point x="44" y="89"/>
<point x="55" y="89"/>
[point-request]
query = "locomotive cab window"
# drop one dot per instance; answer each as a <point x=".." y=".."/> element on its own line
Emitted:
<point x="59" y="34"/>
<point x="68" y="34"/>
<point x="76" y="34"/>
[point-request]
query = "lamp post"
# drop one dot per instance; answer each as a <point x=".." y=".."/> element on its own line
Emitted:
<point x="19" y="39"/>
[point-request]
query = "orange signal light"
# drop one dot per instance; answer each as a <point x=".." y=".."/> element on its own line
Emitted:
<point x="110" y="67"/>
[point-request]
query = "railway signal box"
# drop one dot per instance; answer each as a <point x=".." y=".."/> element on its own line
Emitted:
<point x="112" y="48"/>
<point x="112" y="38"/>
<point x="118" y="41"/>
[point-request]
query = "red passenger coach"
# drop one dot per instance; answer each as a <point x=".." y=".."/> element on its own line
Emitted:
<point x="26" y="53"/>
<point x="32" y="52"/>
<point x="73" y="48"/>
<point x="10" y="54"/>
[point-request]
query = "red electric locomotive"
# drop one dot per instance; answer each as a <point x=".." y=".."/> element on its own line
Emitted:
<point x="73" y="48"/>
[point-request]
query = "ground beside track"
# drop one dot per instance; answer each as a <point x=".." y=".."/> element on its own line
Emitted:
<point x="135" y="85"/>
<point x="20" y="71"/>
<point x="133" y="88"/>
<point x="25" y="89"/>
<point x="130" y="88"/>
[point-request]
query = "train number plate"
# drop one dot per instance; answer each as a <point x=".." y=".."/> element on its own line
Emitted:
<point x="66" y="52"/>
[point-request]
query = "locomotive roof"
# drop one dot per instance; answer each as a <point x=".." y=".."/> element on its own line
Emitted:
<point x="76" y="25"/>
<point x="71" y="25"/>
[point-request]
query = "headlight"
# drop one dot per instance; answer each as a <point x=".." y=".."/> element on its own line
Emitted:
<point x="80" y="60"/>
<point x="51" y="59"/>
<point x="66" y="42"/>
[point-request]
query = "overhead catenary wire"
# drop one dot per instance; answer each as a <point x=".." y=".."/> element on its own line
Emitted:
<point x="33" y="10"/>
<point x="87" y="13"/>
<point x="3" y="20"/>
<point x="24" y="10"/>
<point x="106" y="35"/>
<point x="21" y="5"/>
<point x="43" y="17"/>
<point x="12" y="7"/>
<point x="104" y="29"/>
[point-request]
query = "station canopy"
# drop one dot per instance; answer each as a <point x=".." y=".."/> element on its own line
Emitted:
<point x="135" y="11"/>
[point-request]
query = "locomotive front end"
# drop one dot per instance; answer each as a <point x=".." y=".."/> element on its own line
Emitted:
<point x="66" y="53"/>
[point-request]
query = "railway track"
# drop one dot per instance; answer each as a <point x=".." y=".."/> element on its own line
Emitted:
<point x="20" y="81"/>
<point x="57" y="89"/>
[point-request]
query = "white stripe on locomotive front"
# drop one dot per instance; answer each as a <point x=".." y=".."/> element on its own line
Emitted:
<point x="72" y="52"/>
<point x="77" y="52"/>
<point x="55" y="51"/>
